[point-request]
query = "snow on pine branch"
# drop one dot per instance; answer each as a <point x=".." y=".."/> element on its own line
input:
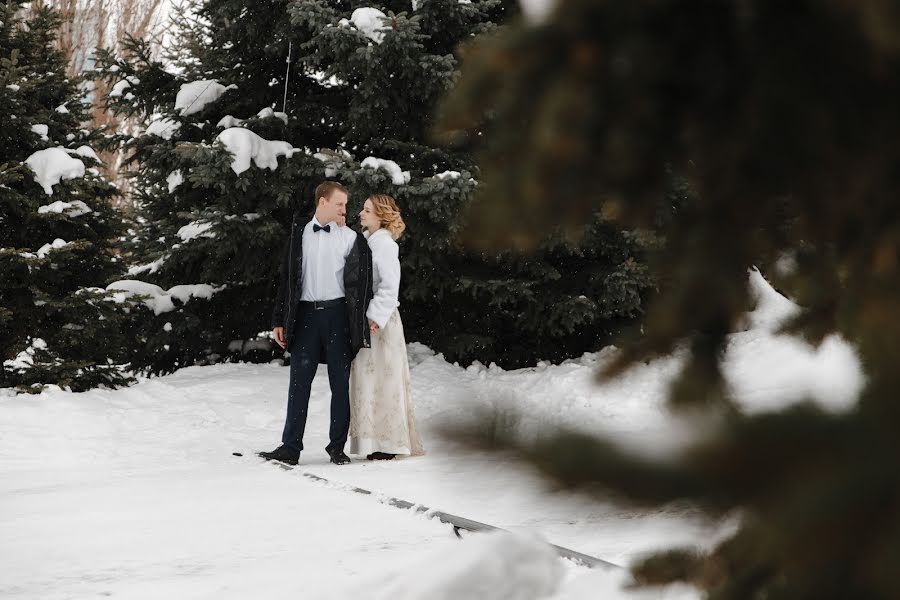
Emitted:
<point x="245" y="146"/>
<point x="75" y="208"/>
<point x="25" y="358"/>
<point x="369" y="21"/>
<point x="193" y="97"/>
<point x="162" y="127"/>
<point x="52" y="165"/>
<point x="398" y="176"/>
<point x="196" y="229"/>
<point x="159" y="300"/>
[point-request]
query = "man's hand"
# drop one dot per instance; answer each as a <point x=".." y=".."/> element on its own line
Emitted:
<point x="278" y="332"/>
<point x="373" y="326"/>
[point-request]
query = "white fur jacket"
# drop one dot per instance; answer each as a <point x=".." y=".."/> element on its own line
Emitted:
<point x="386" y="276"/>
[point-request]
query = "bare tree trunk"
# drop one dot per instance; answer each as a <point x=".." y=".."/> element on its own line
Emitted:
<point x="87" y="24"/>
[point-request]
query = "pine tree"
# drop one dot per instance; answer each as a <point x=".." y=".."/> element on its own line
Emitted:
<point x="201" y="223"/>
<point x="782" y="116"/>
<point x="358" y="97"/>
<point x="57" y="323"/>
<point x="559" y="302"/>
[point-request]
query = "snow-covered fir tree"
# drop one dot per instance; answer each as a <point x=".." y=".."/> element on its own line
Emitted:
<point x="395" y="61"/>
<point x="58" y="325"/>
<point x="262" y="103"/>
<point x="218" y="169"/>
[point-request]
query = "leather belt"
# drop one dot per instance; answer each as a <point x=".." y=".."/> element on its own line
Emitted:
<point x="323" y="304"/>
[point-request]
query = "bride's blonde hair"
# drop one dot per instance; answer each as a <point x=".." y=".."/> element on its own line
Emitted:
<point x="388" y="214"/>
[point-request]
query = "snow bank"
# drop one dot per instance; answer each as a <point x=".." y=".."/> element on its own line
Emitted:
<point x="196" y="229"/>
<point x="246" y="145"/>
<point x="612" y="584"/>
<point x="489" y="566"/>
<point x="369" y="20"/>
<point x="193" y="97"/>
<point x="160" y="301"/>
<point x="52" y="165"/>
<point x="75" y="208"/>
<point x="772" y="309"/>
<point x="398" y="176"/>
<point x="163" y="128"/>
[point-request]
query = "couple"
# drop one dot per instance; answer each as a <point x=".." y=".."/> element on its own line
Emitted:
<point x="337" y="303"/>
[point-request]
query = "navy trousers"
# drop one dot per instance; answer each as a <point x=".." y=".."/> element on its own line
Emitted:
<point x="324" y="332"/>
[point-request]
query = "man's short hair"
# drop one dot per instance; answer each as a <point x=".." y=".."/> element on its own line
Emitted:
<point x="326" y="188"/>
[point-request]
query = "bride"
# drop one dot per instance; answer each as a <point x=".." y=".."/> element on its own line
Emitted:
<point x="381" y="412"/>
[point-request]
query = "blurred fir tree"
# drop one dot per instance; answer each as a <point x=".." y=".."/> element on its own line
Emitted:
<point x="783" y="117"/>
<point x="57" y="323"/>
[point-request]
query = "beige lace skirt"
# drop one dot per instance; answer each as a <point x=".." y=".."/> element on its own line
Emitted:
<point x="381" y="410"/>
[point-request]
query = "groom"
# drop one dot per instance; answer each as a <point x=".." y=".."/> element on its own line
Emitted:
<point x="320" y="316"/>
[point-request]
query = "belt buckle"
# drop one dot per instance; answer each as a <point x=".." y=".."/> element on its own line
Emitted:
<point x="317" y="307"/>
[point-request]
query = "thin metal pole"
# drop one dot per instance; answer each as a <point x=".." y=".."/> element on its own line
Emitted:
<point x="287" y="77"/>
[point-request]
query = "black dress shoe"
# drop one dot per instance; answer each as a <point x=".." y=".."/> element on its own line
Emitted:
<point x="381" y="456"/>
<point x="339" y="458"/>
<point x="282" y="453"/>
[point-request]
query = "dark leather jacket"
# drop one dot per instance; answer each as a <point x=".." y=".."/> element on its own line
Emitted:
<point x="358" y="287"/>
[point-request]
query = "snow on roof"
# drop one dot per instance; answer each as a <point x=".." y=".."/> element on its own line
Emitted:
<point x="398" y="176"/>
<point x="75" y="208"/>
<point x="369" y="20"/>
<point x="159" y="300"/>
<point x="52" y="165"/>
<point x="246" y="145"/>
<point x="193" y="96"/>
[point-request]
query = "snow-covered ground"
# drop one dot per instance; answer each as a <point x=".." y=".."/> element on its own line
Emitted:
<point x="135" y="493"/>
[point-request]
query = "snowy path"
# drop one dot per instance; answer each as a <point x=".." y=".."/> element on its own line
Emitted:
<point x="135" y="493"/>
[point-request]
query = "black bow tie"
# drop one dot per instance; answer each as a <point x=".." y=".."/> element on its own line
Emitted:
<point x="325" y="228"/>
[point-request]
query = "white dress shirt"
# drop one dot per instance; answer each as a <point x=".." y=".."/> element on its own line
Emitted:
<point x="385" y="277"/>
<point x="324" y="255"/>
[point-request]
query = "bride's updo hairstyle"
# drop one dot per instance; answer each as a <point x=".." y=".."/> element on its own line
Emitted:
<point x="388" y="214"/>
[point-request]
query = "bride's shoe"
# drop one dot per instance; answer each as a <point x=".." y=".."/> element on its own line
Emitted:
<point x="381" y="456"/>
